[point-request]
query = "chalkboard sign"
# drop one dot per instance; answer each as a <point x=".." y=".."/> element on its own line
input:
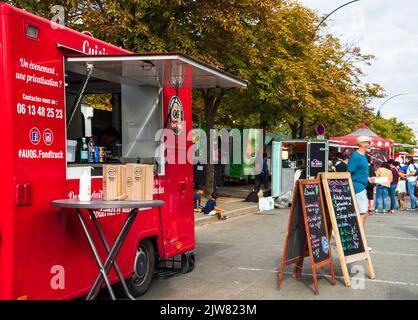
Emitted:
<point x="315" y="220"/>
<point x="296" y="243"/>
<point x="307" y="233"/>
<point x="348" y="230"/>
<point x="346" y="216"/>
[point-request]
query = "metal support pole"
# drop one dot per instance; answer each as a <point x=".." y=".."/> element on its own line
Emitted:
<point x="103" y="272"/>
<point x="113" y="252"/>
<point x="102" y="236"/>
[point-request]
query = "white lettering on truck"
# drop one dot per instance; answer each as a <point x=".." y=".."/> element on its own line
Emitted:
<point x="87" y="49"/>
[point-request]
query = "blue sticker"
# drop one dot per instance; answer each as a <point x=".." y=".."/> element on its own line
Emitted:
<point x="34" y="135"/>
<point x="325" y="246"/>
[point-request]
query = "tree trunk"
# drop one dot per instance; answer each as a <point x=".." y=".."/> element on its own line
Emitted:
<point x="212" y="101"/>
<point x="302" y="127"/>
<point x="294" y="129"/>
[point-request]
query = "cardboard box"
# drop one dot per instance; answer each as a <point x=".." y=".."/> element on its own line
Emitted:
<point x="139" y="181"/>
<point x="114" y="187"/>
<point x="380" y="179"/>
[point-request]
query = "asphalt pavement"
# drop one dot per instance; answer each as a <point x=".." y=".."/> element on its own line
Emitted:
<point x="240" y="259"/>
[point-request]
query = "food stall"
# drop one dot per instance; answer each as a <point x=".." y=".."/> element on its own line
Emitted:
<point x="381" y="147"/>
<point x="295" y="159"/>
<point x="47" y="70"/>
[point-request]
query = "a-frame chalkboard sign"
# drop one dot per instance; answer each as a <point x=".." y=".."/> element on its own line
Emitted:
<point x="347" y="228"/>
<point x="307" y="232"/>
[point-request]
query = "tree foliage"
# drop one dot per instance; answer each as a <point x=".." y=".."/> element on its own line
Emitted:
<point x="394" y="129"/>
<point x="297" y="77"/>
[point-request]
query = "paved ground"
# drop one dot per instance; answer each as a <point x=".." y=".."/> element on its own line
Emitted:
<point x="233" y="207"/>
<point x="240" y="191"/>
<point x="239" y="259"/>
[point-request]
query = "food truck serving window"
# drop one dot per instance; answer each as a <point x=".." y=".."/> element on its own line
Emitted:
<point x="117" y="100"/>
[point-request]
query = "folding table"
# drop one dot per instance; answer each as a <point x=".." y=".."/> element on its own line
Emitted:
<point x="110" y="260"/>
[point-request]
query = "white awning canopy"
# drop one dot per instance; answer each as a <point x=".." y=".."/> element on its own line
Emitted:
<point x="159" y="70"/>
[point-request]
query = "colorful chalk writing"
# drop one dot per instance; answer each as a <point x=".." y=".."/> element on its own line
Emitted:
<point x="345" y="214"/>
<point x="316" y="225"/>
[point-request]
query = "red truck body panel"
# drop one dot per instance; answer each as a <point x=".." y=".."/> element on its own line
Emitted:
<point x="38" y="242"/>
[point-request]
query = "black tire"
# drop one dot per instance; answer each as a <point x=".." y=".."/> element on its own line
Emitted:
<point x="144" y="267"/>
<point x="187" y="262"/>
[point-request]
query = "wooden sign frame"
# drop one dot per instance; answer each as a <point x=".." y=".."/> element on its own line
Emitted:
<point x="344" y="260"/>
<point x="298" y="190"/>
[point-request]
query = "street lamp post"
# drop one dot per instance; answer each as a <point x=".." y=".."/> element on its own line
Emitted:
<point x="390" y="98"/>
<point x="302" y="117"/>
<point x="326" y="17"/>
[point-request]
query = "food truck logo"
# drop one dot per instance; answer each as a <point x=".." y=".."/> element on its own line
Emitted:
<point x="111" y="172"/>
<point x="88" y="49"/>
<point x="35" y="136"/>
<point x="137" y="173"/>
<point x="315" y="163"/>
<point x="176" y="116"/>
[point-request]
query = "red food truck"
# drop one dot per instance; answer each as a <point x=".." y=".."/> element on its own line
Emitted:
<point x="46" y="71"/>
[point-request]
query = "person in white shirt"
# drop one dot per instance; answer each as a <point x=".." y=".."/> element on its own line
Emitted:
<point x="411" y="182"/>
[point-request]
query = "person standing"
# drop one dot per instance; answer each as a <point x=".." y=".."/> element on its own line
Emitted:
<point x="265" y="173"/>
<point x="401" y="189"/>
<point x="359" y="169"/>
<point x="411" y="182"/>
<point x="393" y="185"/>
<point x="370" y="185"/>
<point x="383" y="187"/>
<point x="341" y="166"/>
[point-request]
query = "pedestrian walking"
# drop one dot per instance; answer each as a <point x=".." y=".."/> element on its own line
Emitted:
<point x="370" y="185"/>
<point x="393" y="185"/>
<point x="411" y="182"/>
<point x="383" y="186"/>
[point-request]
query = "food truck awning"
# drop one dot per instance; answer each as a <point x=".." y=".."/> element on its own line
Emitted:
<point x="363" y="130"/>
<point x="154" y="70"/>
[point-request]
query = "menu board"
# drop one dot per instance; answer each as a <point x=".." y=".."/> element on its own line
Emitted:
<point x="296" y="242"/>
<point x="345" y="214"/>
<point x="315" y="221"/>
<point x="307" y="233"/>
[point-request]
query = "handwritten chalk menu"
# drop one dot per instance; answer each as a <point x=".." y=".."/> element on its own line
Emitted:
<point x="345" y="214"/>
<point x="307" y="233"/>
<point x="315" y="221"/>
<point x="348" y="231"/>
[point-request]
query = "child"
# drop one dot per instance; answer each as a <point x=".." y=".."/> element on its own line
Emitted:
<point x="401" y="189"/>
<point x="197" y="198"/>
<point x="211" y="209"/>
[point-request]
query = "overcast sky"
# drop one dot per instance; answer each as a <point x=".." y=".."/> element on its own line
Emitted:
<point x="388" y="29"/>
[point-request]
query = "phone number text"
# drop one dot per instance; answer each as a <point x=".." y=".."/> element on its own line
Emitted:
<point x="40" y="111"/>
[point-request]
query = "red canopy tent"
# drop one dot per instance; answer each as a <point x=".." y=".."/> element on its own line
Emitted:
<point x="377" y="141"/>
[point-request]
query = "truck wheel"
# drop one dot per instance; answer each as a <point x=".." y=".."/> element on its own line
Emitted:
<point x="144" y="267"/>
<point x="187" y="262"/>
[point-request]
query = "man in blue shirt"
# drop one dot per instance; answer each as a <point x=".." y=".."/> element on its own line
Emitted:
<point x="359" y="168"/>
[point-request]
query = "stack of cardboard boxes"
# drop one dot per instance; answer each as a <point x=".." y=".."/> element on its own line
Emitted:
<point x="131" y="181"/>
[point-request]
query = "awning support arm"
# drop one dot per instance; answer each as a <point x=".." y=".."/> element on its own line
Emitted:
<point x="90" y="68"/>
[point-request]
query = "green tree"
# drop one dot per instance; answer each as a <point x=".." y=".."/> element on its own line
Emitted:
<point x="393" y="129"/>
